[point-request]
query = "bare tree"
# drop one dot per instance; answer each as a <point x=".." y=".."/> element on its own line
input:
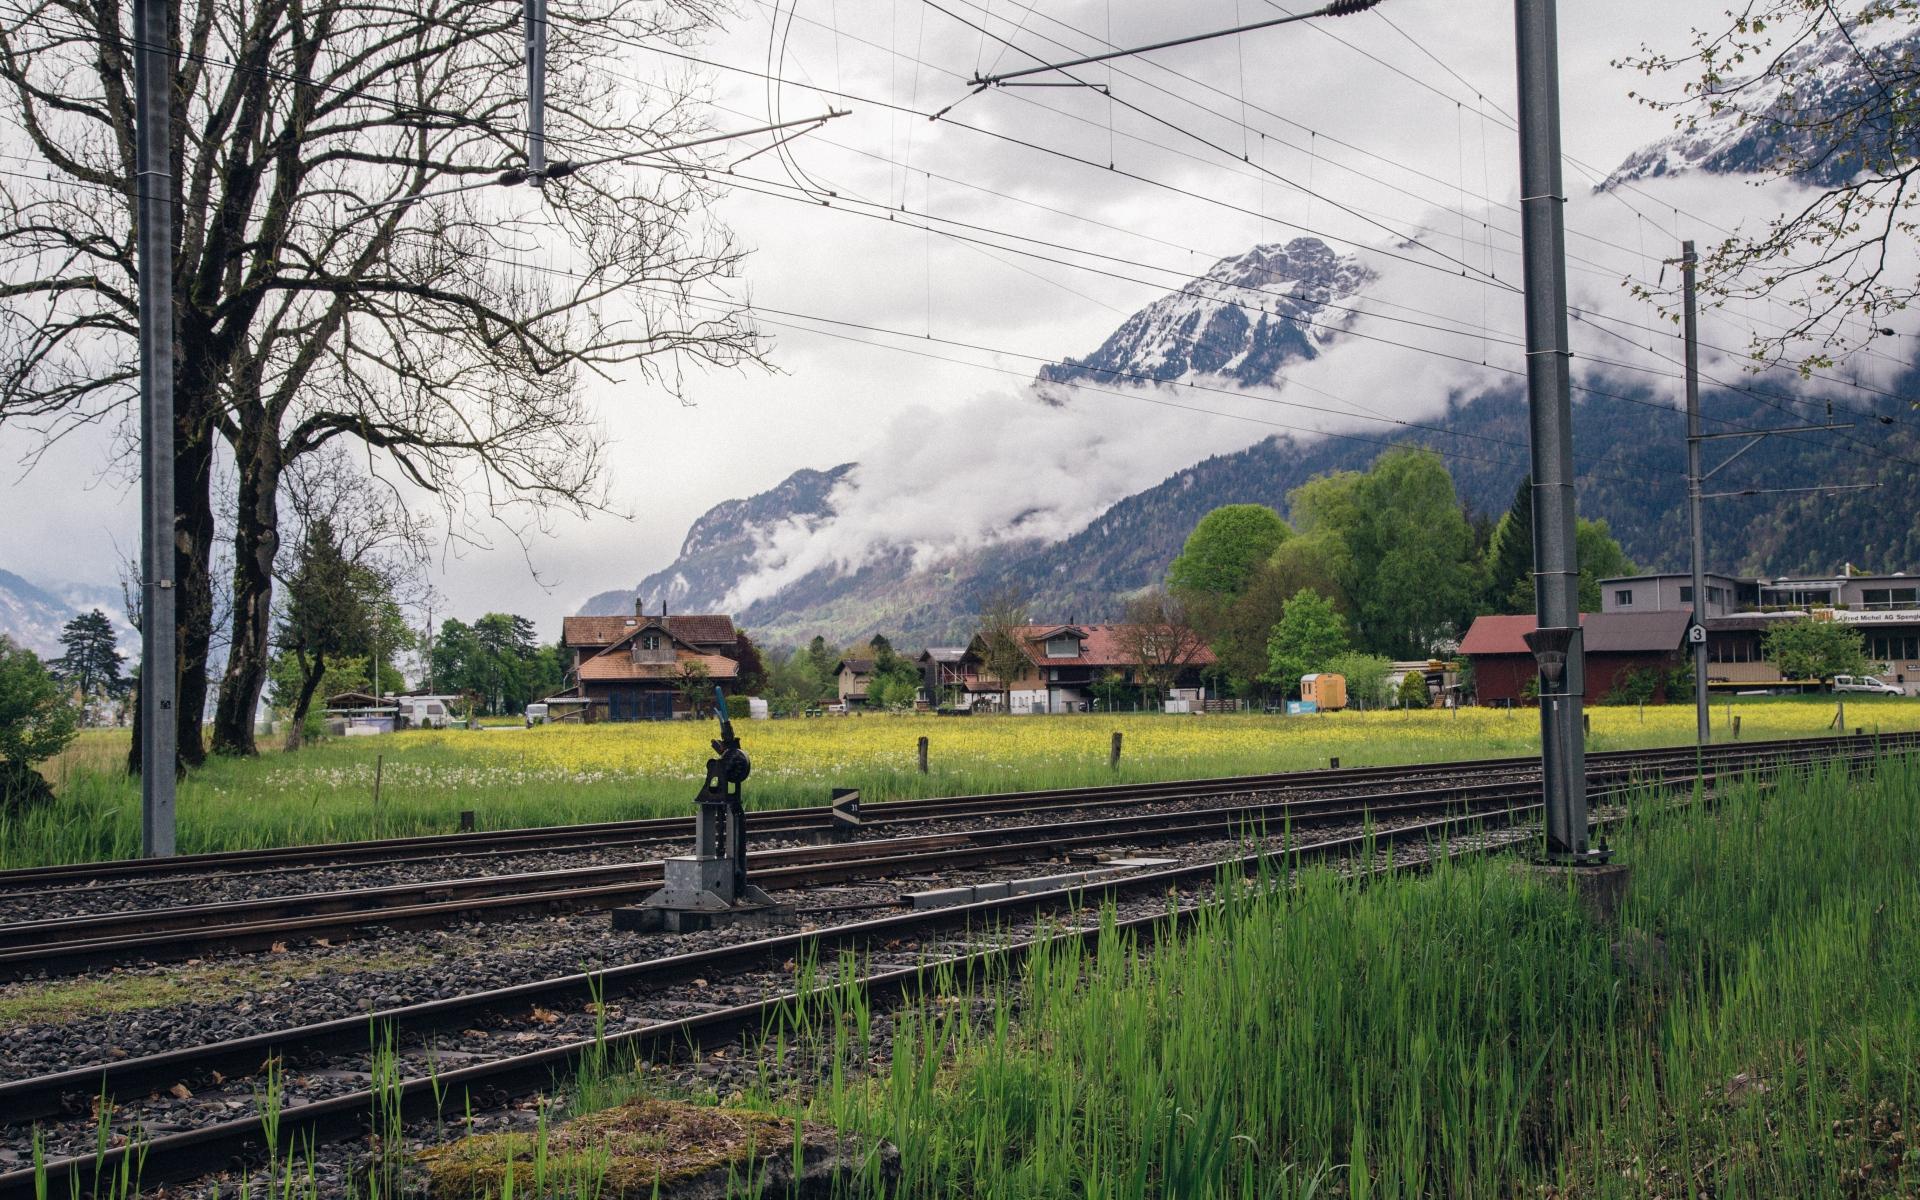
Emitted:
<point x="1159" y="639"/>
<point x="316" y="301"/>
<point x="1002" y="617"/>
<point x="1825" y="96"/>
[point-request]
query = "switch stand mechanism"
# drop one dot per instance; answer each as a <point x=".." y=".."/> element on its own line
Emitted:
<point x="708" y="887"/>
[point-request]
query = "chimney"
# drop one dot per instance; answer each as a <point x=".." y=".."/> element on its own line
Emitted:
<point x="639" y="605"/>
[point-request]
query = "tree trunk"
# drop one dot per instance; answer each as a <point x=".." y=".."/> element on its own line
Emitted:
<point x="193" y="585"/>
<point x="256" y="542"/>
<point x="309" y="683"/>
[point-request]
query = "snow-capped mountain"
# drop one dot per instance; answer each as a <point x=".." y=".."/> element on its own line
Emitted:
<point x="33" y="614"/>
<point x="1786" y="114"/>
<point x="1243" y="319"/>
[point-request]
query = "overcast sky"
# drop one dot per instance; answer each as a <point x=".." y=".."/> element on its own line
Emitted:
<point x="1319" y="104"/>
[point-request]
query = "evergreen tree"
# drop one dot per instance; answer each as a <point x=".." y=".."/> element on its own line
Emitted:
<point x="822" y="656"/>
<point x="1510" y="556"/>
<point x="326" y="615"/>
<point x="91" y="664"/>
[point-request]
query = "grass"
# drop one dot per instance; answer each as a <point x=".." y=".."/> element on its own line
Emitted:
<point x="559" y="774"/>
<point x="1752" y="1029"/>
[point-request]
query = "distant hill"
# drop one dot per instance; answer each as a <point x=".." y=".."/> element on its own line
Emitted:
<point x="32" y="614"/>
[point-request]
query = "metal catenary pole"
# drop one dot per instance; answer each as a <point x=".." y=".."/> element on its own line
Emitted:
<point x="536" y="16"/>
<point x="159" y="685"/>
<point x="1550" y="413"/>
<point x="1703" y="719"/>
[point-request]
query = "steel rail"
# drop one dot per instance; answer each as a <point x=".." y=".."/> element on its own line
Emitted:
<point x="198" y="1152"/>
<point x="71" y="943"/>
<point x="811" y="819"/>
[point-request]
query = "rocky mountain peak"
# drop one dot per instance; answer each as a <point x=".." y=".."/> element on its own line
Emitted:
<point x="1244" y="319"/>
<point x="1787" y="116"/>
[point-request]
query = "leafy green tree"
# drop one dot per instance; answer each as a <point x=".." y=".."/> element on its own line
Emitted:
<point x="1366" y="676"/>
<point x="1413" y="690"/>
<point x="1810" y="649"/>
<point x="1311" y="634"/>
<point x="896" y="685"/>
<point x="92" y="662"/>
<point x="36" y="723"/>
<point x="1224" y="549"/>
<point x="1398" y="549"/>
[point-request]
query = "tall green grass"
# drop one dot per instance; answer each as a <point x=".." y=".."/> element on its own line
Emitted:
<point x="1752" y="1028"/>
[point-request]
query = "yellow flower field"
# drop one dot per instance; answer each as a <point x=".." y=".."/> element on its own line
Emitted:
<point x="420" y="782"/>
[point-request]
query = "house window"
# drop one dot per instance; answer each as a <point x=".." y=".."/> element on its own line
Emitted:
<point x="1624" y="597"/>
<point x="1686" y="594"/>
<point x="1063" y="647"/>
<point x="649" y="641"/>
<point x="1889" y="597"/>
<point x="1716" y="595"/>
<point x="1893" y="647"/>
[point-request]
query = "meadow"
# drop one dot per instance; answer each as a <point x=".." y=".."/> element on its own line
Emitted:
<point x="419" y="782"/>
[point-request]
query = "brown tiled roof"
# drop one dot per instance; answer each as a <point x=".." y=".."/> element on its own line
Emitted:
<point x="859" y="666"/>
<point x="696" y="629"/>
<point x="604" y="668"/>
<point x="1105" y="646"/>
<point x="1602" y="633"/>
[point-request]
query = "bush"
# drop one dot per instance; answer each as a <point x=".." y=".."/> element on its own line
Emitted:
<point x="36" y="722"/>
<point x="739" y="708"/>
<point x="1413" y="691"/>
<point x="1366" y="676"/>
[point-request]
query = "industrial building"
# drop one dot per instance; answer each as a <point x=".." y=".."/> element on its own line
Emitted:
<point x="1885" y="608"/>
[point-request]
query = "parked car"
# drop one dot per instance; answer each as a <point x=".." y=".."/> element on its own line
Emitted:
<point x="1871" y="684"/>
<point x="536" y="714"/>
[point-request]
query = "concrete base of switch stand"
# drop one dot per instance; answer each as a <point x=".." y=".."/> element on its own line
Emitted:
<point x="1599" y="887"/>
<point x="692" y="901"/>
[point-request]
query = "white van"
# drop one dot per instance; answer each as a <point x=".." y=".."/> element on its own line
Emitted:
<point x="536" y="715"/>
<point x="1866" y="683"/>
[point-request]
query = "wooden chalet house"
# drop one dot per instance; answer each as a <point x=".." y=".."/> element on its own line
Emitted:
<point x="637" y="668"/>
<point x="1066" y="663"/>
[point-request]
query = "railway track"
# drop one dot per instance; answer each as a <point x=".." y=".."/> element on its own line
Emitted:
<point x="64" y="944"/>
<point x="818" y="821"/>
<point x="220" y="1144"/>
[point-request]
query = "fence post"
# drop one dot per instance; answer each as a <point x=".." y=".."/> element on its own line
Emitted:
<point x="379" y="763"/>
<point x="466" y="820"/>
<point x="1736" y="729"/>
<point x="1113" y="755"/>
<point x="923" y="755"/>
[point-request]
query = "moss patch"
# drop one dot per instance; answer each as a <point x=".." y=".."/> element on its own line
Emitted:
<point x="638" y="1149"/>
<point x="59" y="1000"/>
<point x="624" y="1150"/>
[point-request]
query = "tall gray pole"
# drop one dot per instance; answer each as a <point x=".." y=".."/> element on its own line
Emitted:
<point x="1556" y="576"/>
<point x="536" y="91"/>
<point x="159" y="683"/>
<point x="1703" y="721"/>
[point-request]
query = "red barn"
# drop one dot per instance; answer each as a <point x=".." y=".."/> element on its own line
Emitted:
<point x="1616" y="644"/>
